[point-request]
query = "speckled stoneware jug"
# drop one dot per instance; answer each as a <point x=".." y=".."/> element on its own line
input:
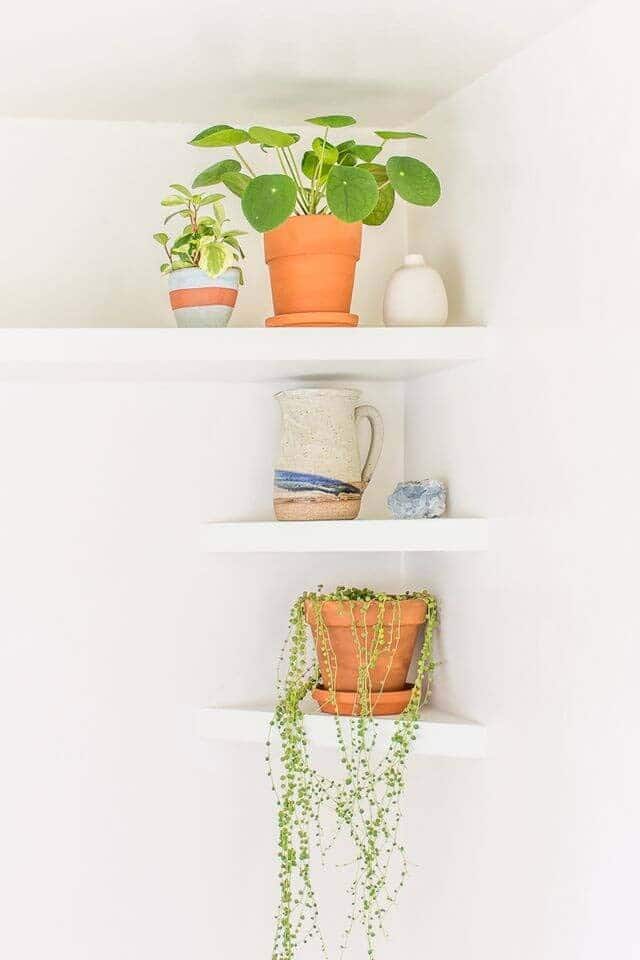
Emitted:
<point x="318" y="475"/>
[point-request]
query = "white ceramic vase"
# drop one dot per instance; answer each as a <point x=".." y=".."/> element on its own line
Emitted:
<point x="415" y="296"/>
<point x="318" y="474"/>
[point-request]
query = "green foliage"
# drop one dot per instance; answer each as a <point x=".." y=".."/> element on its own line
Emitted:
<point x="215" y="257"/>
<point x="363" y="803"/>
<point x="269" y="200"/>
<point x="334" y="121"/>
<point x="378" y="171"/>
<point x="215" y="173"/>
<point x="365" y="152"/>
<point x="382" y="209"/>
<point x="331" y="187"/>
<point x="325" y="151"/>
<point x="272" y="138"/>
<point x="236" y="182"/>
<point x="414" y="180"/>
<point x="399" y="135"/>
<point x="312" y="169"/>
<point x="352" y="193"/>
<point x="222" y="135"/>
<point x="204" y="242"/>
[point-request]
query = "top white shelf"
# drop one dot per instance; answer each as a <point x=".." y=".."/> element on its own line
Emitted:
<point x="236" y="354"/>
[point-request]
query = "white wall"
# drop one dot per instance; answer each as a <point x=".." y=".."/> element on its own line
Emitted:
<point x="119" y="837"/>
<point x="537" y="235"/>
<point x="81" y="202"/>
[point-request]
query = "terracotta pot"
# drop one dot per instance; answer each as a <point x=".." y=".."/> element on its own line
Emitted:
<point x="392" y="665"/>
<point x="312" y="262"/>
<point x="347" y="704"/>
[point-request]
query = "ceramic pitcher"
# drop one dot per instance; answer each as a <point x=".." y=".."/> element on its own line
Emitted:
<point x="318" y="474"/>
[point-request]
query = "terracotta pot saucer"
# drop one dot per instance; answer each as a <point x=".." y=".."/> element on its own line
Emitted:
<point x="384" y="704"/>
<point x="313" y="318"/>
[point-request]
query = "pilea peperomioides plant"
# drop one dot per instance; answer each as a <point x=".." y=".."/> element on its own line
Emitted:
<point x="364" y="802"/>
<point x="346" y="179"/>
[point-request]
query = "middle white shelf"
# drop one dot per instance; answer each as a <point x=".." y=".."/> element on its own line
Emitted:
<point x="439" y="734"/>
<point x="333" y="536"/>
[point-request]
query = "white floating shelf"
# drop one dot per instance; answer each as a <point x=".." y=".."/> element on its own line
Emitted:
<point x="439" y="734"/>
<point x="236" y="353"/>
<point x="338" y="536"/>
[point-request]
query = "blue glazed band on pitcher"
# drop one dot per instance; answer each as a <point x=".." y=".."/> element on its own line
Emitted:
<point x="291" y="480"/>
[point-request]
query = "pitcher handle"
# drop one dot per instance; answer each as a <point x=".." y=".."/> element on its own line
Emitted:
<point x="367" y="412"/>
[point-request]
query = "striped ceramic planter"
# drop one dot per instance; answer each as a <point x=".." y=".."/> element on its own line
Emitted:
<point x="198" y="300"/>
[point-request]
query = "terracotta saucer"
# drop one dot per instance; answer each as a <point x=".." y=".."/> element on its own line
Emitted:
<point x="315" y="318"/>
<point x="384" y="704"/>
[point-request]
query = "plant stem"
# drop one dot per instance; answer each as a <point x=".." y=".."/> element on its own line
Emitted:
<point x="318" y="170"/>
<point x="294" y="169"/>
<point x="242" y="160"/>
<point x="282" y="155"/>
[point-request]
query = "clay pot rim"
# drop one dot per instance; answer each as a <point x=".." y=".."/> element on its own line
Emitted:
<point x="336" y="614"/>
<point x="314" y="216"/>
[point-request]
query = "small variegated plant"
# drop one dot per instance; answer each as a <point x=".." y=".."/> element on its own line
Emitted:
<point x="204" y="241"/>
<point x="346" y="179"/>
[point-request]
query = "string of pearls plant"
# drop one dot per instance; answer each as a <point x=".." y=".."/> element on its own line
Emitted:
<point x="364" y="802"/>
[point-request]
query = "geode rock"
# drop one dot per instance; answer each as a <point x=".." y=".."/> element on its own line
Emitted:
<point x="418" y="498"/>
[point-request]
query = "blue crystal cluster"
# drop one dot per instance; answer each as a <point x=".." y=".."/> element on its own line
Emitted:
<point x="416" y="499"/>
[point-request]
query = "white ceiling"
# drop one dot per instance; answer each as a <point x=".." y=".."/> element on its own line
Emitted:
<point x="280" y="60"/>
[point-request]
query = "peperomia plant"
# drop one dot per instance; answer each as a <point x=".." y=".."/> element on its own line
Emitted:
<point x="346" y="179"/>
<point x="364" y="803"/>
<point x="204" y="242"/>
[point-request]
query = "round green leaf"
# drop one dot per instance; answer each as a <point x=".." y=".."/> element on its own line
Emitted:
<point x="214" y="173"/>
<point x="221" y="135"/>
<point x="382" y="209"/>
<point x="414" y="180"/>
<point x="399" y="135"/>
<point x="236" y="182"/>
<point x="352" y="193"/>
<point x="365" y="152"/>
<point x="268" y="201"/>
<point x="272" y="138"/>
<point x="310" y="163"/>
<point x="330" y="153"/>
<point x="333" y="121"/>
<point x="165" y="268"/>
<point x="161" y="238"/>
<point x="378" y="171"/>
<point x="215" y="257"/>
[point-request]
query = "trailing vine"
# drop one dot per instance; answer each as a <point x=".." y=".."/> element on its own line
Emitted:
<point x="365" y="801"/>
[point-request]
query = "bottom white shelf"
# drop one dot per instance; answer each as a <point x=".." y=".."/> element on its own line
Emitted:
<point x="314" y="536"/>
<point x="439" y="734"/>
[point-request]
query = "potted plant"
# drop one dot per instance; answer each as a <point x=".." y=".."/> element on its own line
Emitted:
<point x="364" y="802"/>
<point x="312" y="211"/>
<point x="203" y="252"/>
